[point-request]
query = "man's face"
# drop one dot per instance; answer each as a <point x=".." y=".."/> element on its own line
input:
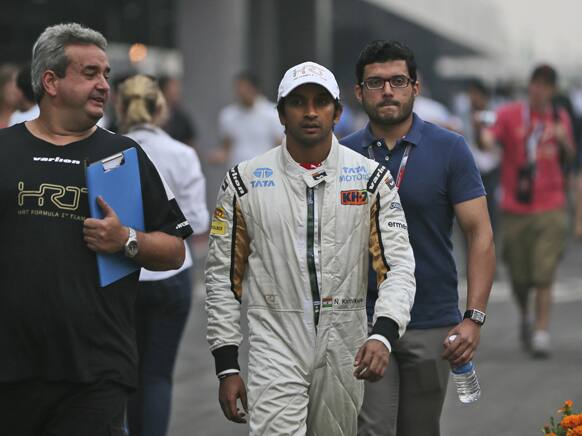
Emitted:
<point x="11" y="94"/>
<point x="309" y="115"/>
<point x="172" y="92"/>
<point x="245" y="92"/>
<point x="478" y="99"/>
<point x="540" y="93"/>
<point x="387" y="106"/>
<point x="84" y="90"/>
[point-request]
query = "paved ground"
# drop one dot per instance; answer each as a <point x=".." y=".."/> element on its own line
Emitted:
<point x="519" y="394"/>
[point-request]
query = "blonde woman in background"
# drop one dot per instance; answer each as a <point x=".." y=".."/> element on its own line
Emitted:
<point x="163" y="301"/>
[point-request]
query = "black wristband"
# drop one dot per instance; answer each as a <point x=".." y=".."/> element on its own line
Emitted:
<point x="386" y="327"/>
<point x="226" y="358"/>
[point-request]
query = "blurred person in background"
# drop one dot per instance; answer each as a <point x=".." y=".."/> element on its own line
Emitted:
<point x="535" y="136"/>
<point x="248" y="127"/>
<point x="352" y="117"/>
<point x="438" y="181"/>
<point x="9" y="93"/>
<point x="178" y="123"/>
<point x="163" y="299"/>
<point x="27" y="109"/>
<point x="477" y="114"/>
<point x="433" y="111"/>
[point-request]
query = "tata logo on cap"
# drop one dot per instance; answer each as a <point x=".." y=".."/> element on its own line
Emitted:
<point x="263" y="173"/>
<point x="356" y="197"/>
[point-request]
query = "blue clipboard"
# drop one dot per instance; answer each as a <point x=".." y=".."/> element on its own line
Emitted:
<point x="117" y="179"/>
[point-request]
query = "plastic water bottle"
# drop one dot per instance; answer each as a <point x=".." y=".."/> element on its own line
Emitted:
<point x="466" y="381"/>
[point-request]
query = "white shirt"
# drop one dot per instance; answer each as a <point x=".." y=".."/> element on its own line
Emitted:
<point x="434" y="112"/>
<point x="21" y="117"/>
<point x="251" y="130"/>
<point x="179" y="166"/>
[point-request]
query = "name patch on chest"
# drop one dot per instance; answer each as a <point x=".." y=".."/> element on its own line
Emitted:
<point x="355" y="197"/>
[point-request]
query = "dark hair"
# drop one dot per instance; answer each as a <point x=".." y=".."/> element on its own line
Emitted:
<point x="545" y="73"/>
<point x="248" y="76"/>
<point x="384" y="51"/>
<point x="24" y="82"/>
<point x="164" y="80"/>
<point x="478" y="86"/>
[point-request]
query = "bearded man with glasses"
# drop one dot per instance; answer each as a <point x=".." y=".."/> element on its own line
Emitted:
<point x="437" y="180"/>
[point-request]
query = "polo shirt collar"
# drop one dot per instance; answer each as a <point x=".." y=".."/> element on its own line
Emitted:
<point x="413" y="136"/>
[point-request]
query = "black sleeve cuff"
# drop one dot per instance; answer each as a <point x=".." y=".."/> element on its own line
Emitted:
<point x="226" y="358"/>
<point x="386" y="327"/>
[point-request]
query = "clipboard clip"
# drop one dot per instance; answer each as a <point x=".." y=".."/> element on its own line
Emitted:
<point x="112" y="162"/>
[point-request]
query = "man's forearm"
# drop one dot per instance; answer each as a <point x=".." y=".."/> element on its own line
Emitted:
<point x="159" y="251"/>
<point x="480" y="269"/>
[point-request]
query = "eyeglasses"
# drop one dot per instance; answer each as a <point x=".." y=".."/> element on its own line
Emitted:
<point x="375" y="83"/>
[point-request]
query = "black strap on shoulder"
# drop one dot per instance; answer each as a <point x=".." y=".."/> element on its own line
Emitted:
<point x="237" y="182"/>
<point x="376" y="178"/>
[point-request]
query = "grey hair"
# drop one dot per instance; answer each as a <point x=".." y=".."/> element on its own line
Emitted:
<point x="48" y="52"/>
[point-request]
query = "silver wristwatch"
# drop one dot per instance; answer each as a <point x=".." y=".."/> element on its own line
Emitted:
<point x="476" y="316"/>
<point x="131" y="247"/>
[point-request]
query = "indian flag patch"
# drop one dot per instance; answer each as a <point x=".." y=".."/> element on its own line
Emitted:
<point x="327" y="302"/>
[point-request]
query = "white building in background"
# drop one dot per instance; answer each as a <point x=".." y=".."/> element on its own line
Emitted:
<point x="509" y="36"/>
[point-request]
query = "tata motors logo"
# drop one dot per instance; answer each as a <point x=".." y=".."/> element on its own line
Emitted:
<point x="356" y="197"/>
<point x="354" y="174"/>
<point x="264" y="175"/>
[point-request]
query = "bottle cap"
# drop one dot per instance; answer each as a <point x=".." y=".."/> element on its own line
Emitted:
<point x="463" y="369"/>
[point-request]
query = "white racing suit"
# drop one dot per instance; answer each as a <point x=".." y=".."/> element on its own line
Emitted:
<point x="297" y="243"/>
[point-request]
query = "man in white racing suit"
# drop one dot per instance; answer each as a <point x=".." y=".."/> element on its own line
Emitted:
<point x="293" y="228"/>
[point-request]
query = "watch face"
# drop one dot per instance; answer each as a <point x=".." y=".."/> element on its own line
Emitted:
<point x="478" y="316"/>
<point x="131" y="249"/>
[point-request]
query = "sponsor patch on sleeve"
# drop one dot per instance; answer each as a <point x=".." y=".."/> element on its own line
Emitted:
<point x="237" y="182"/>
<point x="219" y="213"/>
<point x="218" y="228"/>
<point x="354" y="197"/>
<point x="397" y="225"/>
<point x="390" y="181"/>
<point x="376" y="177"/>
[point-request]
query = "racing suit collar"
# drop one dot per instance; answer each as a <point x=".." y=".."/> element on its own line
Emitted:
<point x="314" y="177"/>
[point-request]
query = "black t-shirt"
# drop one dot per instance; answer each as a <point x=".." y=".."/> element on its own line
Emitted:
<point x="56" y="323"/>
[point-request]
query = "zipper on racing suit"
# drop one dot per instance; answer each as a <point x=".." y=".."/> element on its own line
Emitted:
<point x="311" y="233"/>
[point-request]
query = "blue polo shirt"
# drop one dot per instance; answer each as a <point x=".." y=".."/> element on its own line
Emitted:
<point x="440" y="173"/>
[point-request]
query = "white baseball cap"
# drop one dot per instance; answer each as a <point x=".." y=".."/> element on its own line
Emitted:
<point x="308" y="72"/>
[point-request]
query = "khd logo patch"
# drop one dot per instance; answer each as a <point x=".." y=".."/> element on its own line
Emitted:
<point x="355" y="197"/>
